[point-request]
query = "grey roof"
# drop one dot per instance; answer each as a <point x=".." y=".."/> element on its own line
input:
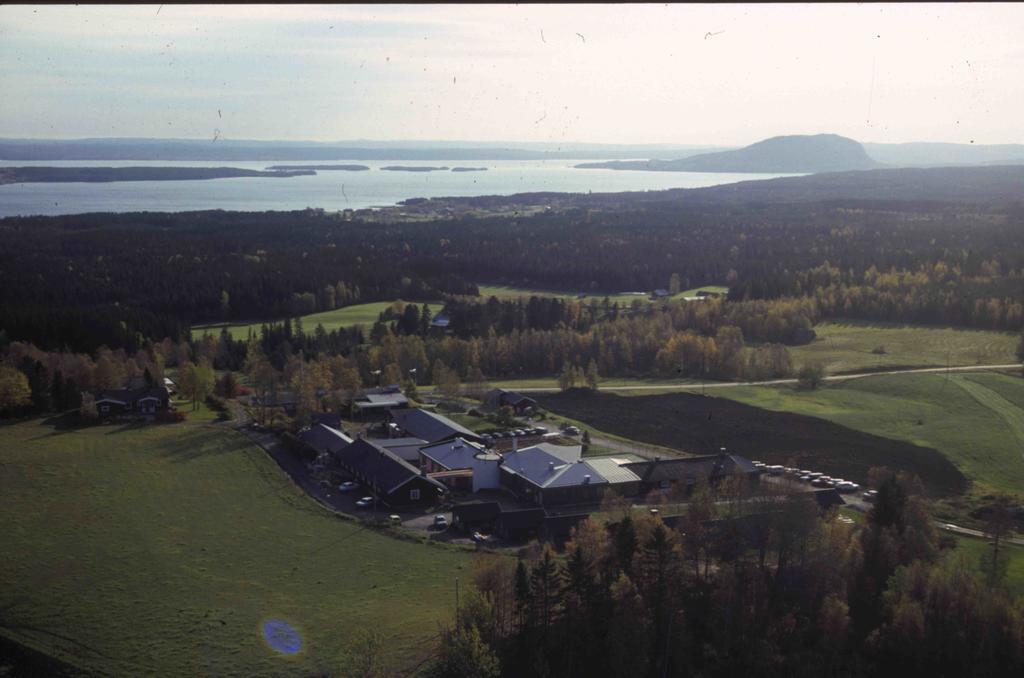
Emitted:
<point x="612" y="470"/>
<point x="511" y="397"/>
<point x="388" y="443"/>
<point x="379" y="467"/>
<point x="374" y="400"/>
<point x="430" y="426"/>
<point x="567" y="453"/>
<point x="542" y="468"/>
<point x="711" y="466"/>
<point x="457" y="453"/>
<point x="406" y="448"/>
<point x="323" y="438"/>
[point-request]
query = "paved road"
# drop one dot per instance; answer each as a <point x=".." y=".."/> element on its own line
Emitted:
<point x="974" y="533"/>
<point x="777" y="382"/>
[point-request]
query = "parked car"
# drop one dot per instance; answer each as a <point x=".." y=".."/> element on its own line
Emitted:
<point x="365" y="502"/>
<point x="479" y="538"/>
<point x="440" y="522"/>
<point x="572" y="430"/>
<point x="395" y="519"/>
<point x="805" y="478"/>
<point x="348" y="486"/>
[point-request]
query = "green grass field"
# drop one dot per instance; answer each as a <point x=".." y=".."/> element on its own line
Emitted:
<point x="718" y="289"/>
<point x="160" y="550"/>
<point x="508" y="292"/>
<point x="975" y="420"/>
<point x="848" y="346"/>
<point x="971" y="549"/>
<point x="505" y="292"/>
<point x="361" y="314"/>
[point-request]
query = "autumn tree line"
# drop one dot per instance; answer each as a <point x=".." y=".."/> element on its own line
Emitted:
<point x="765" y="587"/>
<point x="79" y="282"/>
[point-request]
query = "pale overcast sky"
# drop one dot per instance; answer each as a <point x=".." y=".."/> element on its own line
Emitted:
<point x="687" y="74"/>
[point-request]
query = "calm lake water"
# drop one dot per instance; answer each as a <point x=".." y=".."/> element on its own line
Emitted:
<point x="330" y="190"/>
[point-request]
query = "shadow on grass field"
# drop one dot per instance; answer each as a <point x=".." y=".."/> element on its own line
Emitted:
<point x="975" y="420"/>
<point x="703" y="425"/>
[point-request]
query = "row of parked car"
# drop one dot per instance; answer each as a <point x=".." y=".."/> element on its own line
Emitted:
<point x="815" y="478"/>
<point x="517" y="433"/>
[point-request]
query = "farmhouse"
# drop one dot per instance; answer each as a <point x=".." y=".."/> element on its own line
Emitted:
<point x="461" y="455"/>
<point x="499" y="397"/>
<point x="679" y="476"/>
<point x="392" y="480"/>
<point x="377" y="402"/>
<point x="552" y="475"/>
<point x="332" y="419"/>
<point x="476" y="515"/>
<point x="406" y="448"/>
<point x="519" y="524"/>
<point x="324" y="438"/>
<point x="430" y="426"/>
<point x="135" y="401"/>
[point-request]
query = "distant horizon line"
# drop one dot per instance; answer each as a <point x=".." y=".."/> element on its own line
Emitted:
<point x="455" y="143"/>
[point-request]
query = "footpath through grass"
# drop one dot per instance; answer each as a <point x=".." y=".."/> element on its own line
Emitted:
<point x="162" y="549"/>
<point x="975" y="420"/>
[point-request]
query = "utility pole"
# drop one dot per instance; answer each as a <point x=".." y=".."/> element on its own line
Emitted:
<point x="456" y="602"/>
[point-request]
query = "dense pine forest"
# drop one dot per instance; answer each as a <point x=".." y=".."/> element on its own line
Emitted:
<point x="117" y="279"/>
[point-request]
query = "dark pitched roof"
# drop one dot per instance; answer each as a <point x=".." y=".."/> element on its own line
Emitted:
<point x="511" y="397"/>
<point x="324" y="438"/>
<point x="828" y="498"/>
<point x="332" y="419"/>
<point x="711" y="466"/>
<point x="430" y="426"/>
<point x="522" y="519"/>
<point x="130" y="395"/>
<point x="476" y="512"/>
<point x="379" y="467"/>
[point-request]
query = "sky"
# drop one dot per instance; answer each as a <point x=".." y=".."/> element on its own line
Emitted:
<point x="673" y="74"/>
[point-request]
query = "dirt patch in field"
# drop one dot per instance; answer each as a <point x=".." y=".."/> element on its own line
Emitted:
<point x="702" y="425"/>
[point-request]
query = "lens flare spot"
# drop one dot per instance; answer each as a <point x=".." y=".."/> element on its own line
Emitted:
<point x="282" y="636"/>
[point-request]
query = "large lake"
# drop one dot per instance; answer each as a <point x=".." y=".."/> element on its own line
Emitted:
<point x="330" y="190"/>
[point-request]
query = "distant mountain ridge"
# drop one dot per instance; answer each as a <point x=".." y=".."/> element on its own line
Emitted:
<point x="930" y="154"/>
<point x="796" y="154"/>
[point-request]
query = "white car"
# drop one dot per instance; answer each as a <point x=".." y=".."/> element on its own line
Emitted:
<point x="347" y="486"/>
<point x="365" y="502"/>
<point x="440" y="522"/>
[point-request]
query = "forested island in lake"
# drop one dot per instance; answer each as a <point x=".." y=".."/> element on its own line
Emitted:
<point x="338" y="168"/>
<point x="469" y="169"/>
<point x="413" y="168"/>
<point x="17" y="175"/>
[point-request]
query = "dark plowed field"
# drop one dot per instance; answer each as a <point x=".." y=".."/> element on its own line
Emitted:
<point x="702" y="425"/>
